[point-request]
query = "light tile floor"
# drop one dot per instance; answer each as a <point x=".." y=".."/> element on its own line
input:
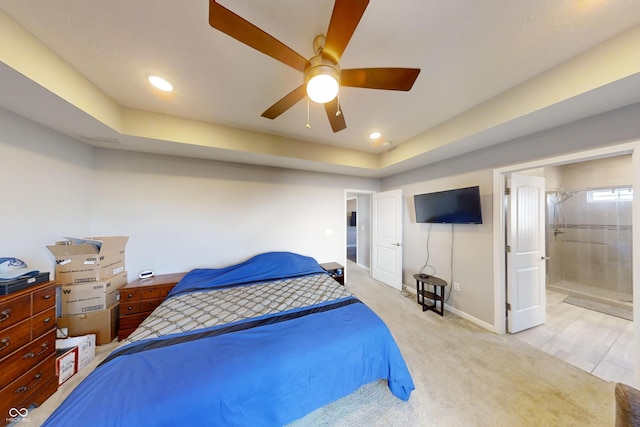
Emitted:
<point x="594" y="342"/>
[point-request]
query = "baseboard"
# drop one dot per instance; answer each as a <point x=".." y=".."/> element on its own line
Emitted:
<point x="362" y="266"/>
<point x="457" y="312"/>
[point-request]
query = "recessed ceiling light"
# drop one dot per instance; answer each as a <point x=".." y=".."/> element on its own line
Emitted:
<point x="160" y="83"/>
<point x="375" y="135"/>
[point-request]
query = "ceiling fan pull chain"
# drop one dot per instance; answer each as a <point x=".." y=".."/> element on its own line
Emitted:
<point x="308" y="124"/>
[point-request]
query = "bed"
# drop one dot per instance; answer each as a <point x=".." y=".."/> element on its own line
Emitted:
<point x="263" y="342"/>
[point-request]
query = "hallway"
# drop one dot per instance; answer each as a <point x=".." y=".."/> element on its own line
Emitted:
<point x="594" y="342"/>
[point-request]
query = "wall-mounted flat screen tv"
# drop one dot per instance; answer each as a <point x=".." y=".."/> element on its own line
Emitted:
<point x="458" y="206"/>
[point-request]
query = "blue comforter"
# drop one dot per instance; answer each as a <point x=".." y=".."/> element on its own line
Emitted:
<point x="266" y="371"/>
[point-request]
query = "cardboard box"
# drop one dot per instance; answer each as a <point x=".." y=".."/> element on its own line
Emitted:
<point x="103" y="323"/>
<point x="66" y="364"/>
<point x="89" y="260"/>
<point x="88" y="297"/>
<point x="86" y="346"/>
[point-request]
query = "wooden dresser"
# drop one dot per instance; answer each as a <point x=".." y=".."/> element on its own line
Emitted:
<point x="27" y="349"/>
<point x="140" y="297"/>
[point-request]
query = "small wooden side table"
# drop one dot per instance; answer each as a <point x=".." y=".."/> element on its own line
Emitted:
<point x="335" y="270"/>
<point x="423" y="295"/>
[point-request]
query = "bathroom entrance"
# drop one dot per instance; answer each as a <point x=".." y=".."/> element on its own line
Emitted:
<point x="589" y="233"/>
<point x="589" y="263"/>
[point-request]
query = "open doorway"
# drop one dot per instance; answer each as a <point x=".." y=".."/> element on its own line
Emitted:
<point x="588" y="231"/>
<point x="352" y="229"/>
<point x="358" y="224"/>
<point x="582" y="230"/>
<point x="588" y="282"/>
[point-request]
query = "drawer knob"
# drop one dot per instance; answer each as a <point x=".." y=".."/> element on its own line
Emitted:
<point x="47" y="320"/>
<point x="48" y="296"/>
<point x="4" y="343"/>
<point x="5" y="314"/>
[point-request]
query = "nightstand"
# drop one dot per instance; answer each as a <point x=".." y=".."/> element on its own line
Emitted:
<point x="335" y="270"/>
<point x="140" y="297"/>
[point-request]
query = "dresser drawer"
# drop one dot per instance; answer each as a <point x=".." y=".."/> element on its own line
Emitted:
<point x="43" y="322"/>
<point x="147" y="306"/>
<point x="40" y="395"/>
<point x="129" y="295"/>
<point x="44" y="299"/>
<point x="27" y="357"/>
<point x="35" y="399"/>
<point x="132" y="322"/>
<point x="164" y="291"/>
<point x="14" y="337"/>
<point x="129" y="307"/>
<point x="149" y="293"/>
<point x="14" y="311"/>
<point x="21" y="391"/>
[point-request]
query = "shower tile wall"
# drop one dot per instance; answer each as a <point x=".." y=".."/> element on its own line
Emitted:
<point x="590" y="243"/>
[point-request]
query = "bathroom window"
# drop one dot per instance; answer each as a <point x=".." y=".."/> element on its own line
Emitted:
<point x="623" y="194"/>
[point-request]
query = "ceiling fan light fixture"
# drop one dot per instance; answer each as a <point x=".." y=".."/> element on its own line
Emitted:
<point x="322" y="80"/>
<point x="322" y="88"/>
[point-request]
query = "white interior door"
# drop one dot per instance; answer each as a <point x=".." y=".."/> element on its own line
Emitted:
<point x="526" y="296"/>
<point x="386" y="238"/>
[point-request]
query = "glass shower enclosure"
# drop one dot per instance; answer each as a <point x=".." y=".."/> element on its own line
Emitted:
<point x="589" y="243"/>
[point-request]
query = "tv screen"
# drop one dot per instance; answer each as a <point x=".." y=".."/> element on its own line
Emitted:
<point x="459" y="206"/>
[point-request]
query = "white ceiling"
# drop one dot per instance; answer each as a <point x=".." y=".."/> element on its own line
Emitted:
<point x="469" y="52"/>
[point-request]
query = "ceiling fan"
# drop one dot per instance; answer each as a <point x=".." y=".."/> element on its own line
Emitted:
<point x="323" y="66"/>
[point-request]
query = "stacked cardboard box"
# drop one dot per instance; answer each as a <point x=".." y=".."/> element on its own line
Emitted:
<point x="89" y="273"/>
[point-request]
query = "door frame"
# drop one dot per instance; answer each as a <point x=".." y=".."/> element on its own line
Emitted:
<point x="499" y="233"/>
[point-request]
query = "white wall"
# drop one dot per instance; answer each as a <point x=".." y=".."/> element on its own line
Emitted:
<point x="179" y="213"/>
<point x="46" y="182"/>
<point x="184" y="213"/>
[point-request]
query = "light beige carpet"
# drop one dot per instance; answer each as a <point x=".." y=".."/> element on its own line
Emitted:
<point x="464" y="376"/>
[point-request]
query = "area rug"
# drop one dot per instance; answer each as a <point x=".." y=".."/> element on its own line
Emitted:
<point x="601" y="307"/>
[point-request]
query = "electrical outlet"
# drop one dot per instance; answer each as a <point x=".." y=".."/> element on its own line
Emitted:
<point x="456" y="286"/>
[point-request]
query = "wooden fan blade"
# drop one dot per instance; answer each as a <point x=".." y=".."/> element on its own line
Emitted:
<point x="242" y="30"/>
<point x="344" y="20"/>
<point x="380" y="78"/>
<point x="337" y="121"/>
<point x="285" y="103"/>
